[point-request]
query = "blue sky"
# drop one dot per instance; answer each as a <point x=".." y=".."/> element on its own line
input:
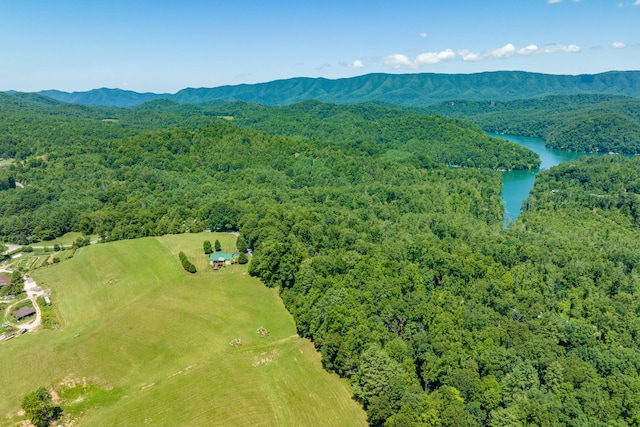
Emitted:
<point x="164" y="46"/>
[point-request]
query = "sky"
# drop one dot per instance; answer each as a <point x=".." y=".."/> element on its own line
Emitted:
<point x="164" y="46"/>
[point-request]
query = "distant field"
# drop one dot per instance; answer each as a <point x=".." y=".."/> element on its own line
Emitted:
<point x="143" y="342"/>
<point x="66" y="240"/>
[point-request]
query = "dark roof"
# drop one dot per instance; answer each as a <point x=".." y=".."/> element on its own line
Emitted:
<point x="23" y="312"/>
<point x="4" y="280"/>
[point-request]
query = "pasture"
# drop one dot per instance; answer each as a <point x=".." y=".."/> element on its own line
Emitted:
<point x="142" y="342"/>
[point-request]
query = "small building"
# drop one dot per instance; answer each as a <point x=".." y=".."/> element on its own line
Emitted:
<point x="219" y="258"/>
<point x="24" y="312"/>
<point x="4" y="280"/>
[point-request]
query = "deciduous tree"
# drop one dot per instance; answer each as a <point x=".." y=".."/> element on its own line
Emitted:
<point x="39" y="408"/>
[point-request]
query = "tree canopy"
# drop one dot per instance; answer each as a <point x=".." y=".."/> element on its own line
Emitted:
<point x="580" y="123"/>
<point x="39" y="408"/>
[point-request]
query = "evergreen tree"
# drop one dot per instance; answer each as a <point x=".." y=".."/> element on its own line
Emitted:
<point x="242" y="258"/>
<point x="241" y="244"/>
<point x="186" y="264"/>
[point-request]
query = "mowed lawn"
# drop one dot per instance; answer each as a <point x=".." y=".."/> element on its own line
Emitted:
<point x="142" y="342"/>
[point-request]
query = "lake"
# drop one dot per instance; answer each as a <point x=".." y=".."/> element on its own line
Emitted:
<point x="516" y="185"/>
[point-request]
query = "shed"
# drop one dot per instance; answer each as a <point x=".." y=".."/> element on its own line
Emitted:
<point x="4" y="280"/>
<point x="24" y="312"/>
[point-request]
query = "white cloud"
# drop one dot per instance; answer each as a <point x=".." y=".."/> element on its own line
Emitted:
<point x="467" y="55"/>
<point x="618" y="45"/>
<point x="560" y="48"/>
<point x="554" y="1"/>
<point x="435" y="57"/>
<point x="532" y="49"/>
<point x="637" y="3"/>
<point x="425" y="35"/>
<point x="398" y="60"/>
<point x="502" y="52"/>
<point x="356" y="64"/>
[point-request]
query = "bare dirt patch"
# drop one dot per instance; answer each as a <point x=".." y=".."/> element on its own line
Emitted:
<point x="265" y="358"/>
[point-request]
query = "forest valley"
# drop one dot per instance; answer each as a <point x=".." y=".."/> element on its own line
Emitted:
<point x="382" y="229"/>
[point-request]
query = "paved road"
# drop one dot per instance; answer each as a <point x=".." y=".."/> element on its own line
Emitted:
<point x="11" y="248"/>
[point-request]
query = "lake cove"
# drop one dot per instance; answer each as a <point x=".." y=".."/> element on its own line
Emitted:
<point x="517" y="184"/>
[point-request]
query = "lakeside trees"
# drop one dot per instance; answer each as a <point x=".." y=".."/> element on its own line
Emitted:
<point x="580" y="123"/>
<point x="463" y="324"/>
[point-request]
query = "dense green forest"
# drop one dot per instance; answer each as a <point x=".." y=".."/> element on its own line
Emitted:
<point x="411" y="90"/>
<point x="582" y="123"/>
<point x="451" y="322"/>
<point x="395" y="131"/>
<point x="117" y="179"/>
<point x="394" y="264"/>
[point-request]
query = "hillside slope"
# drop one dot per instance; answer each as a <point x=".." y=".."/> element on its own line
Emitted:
<point x="142" y="342"/>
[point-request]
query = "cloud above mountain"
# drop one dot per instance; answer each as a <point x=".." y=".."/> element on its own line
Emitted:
<point x="399" y="60"/>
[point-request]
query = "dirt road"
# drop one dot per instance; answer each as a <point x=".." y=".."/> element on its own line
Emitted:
<point x="33" y="292"/>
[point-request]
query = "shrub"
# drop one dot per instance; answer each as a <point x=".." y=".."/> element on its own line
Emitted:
<point x="186" y="264"/>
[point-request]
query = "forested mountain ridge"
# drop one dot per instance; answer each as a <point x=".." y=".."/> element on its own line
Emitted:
<point x="402" y="89"/>
<point x="105" y="97"/>
<point x="587" y="123"/>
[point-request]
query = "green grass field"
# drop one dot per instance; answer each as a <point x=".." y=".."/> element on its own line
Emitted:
<point x="142" y="342"/>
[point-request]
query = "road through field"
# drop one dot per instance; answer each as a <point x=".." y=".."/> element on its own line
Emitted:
<point x="33" y="292"/>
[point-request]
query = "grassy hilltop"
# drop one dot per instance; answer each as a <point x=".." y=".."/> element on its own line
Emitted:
<point x="142" y="342"/>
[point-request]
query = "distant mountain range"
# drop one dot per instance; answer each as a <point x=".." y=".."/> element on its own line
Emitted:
<point x="418" y="90"/>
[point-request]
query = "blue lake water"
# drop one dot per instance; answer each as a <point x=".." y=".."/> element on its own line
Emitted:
<point x="516" y="185"/>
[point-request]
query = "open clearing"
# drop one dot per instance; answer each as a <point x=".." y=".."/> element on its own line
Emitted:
<point x="142" y="342"/>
